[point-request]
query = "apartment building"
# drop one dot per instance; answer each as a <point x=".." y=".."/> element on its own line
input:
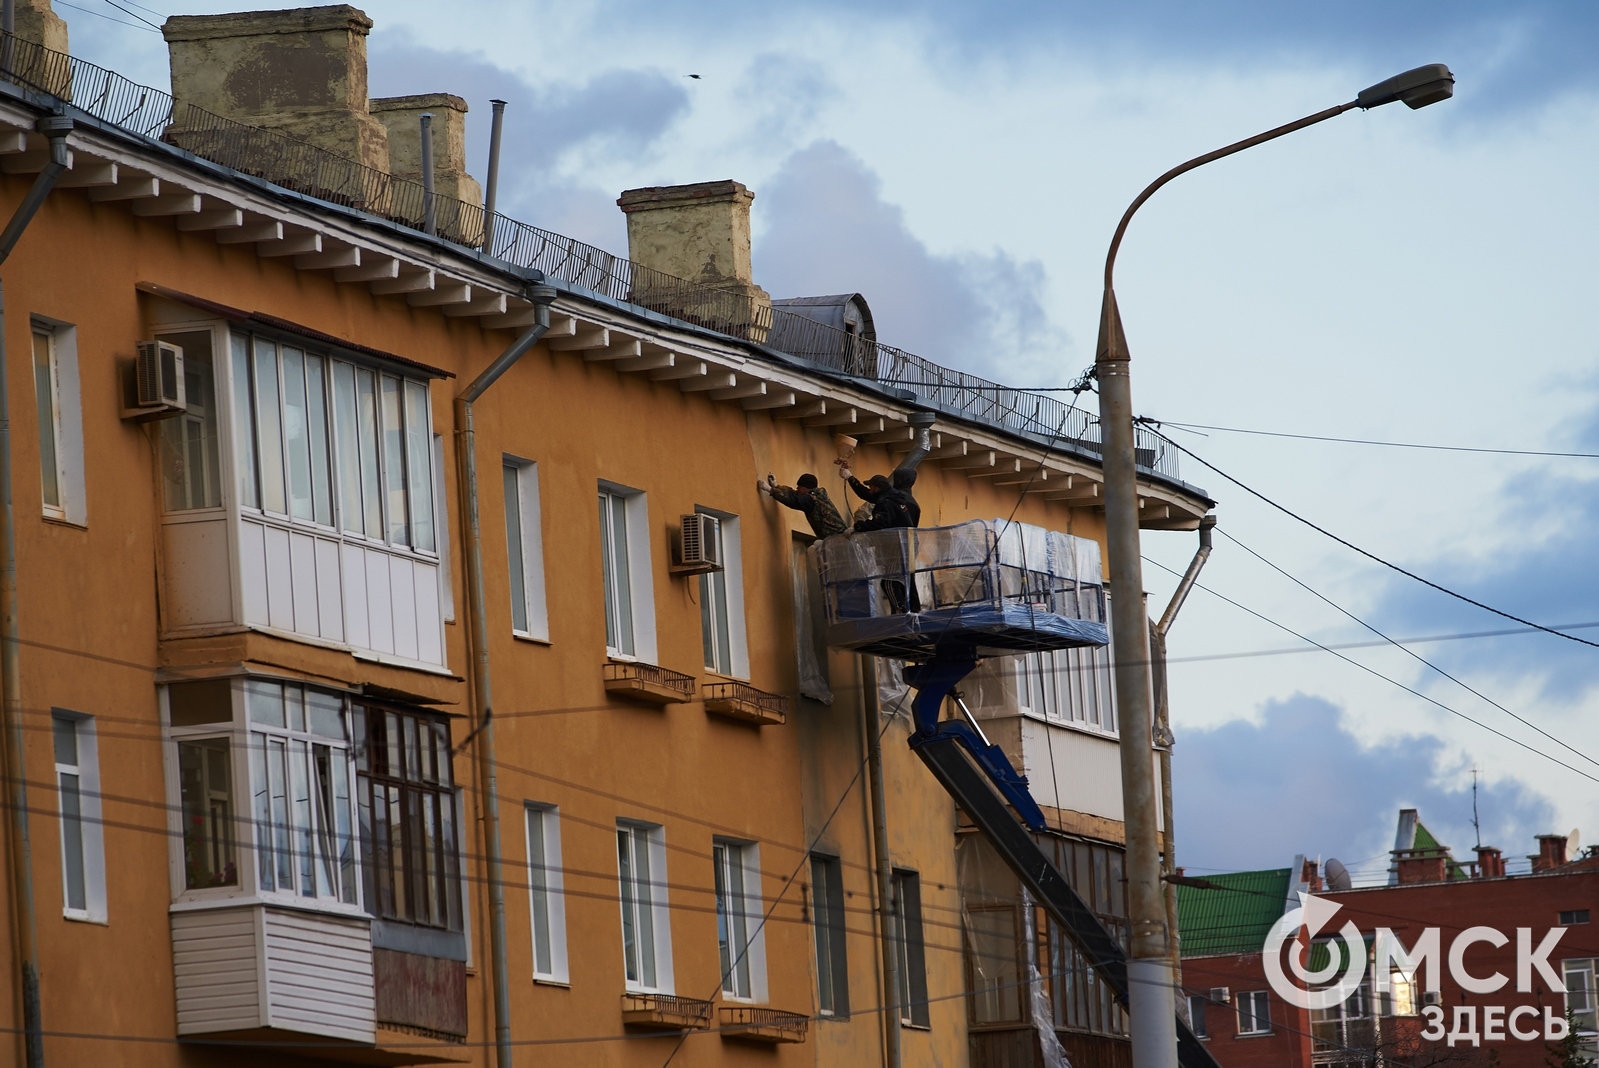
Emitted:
<point x="326" y="756"/>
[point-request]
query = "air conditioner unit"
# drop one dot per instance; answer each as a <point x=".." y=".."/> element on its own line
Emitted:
<point x="156" y="389"/>
<point x="1220" y="995"/>
<point x="1431" y="997"/>
<point x="699" y="545"/>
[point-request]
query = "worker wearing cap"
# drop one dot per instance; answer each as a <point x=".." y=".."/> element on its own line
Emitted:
<point x="806" y="496"/>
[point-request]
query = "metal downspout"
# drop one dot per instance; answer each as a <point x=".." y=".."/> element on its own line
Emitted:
<point x="884" y="869"/>
<point x="56" y="128"/>
<point x="1163" y="734"/>
<point x="478" y="644"/>
<point x="923" y="422"/>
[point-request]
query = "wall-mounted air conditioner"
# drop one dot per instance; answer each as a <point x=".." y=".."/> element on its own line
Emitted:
<point x="699" y="545"/>
<point x="1220" y="995"/>
<point x="1431" y="997"/>
<point x="156" y="383"/>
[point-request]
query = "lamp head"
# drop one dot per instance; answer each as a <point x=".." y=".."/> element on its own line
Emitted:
<point x="1417" y="88"/>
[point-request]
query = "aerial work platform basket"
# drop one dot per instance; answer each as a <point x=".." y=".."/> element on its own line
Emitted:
<point x="985" y="588"/>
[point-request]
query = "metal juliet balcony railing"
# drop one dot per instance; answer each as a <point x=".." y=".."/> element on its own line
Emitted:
<point x="305" y="168"/>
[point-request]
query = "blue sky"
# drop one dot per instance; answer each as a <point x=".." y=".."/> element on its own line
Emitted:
<point x="1417" y="276"/>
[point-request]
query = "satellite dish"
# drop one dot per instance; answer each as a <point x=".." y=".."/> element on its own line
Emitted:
<point x="1571" y="843"/>
<point x="1337" y="875"/>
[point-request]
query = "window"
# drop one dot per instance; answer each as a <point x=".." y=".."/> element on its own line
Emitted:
<point x="82" y="844"/>
<point x="1574" y="916"/>
<point x="722" y="603"/>
<point x="738" y="920"/>
<point x="827" y="917"/>
<point x="545" y="894"/>
<point x="1254" y="1013"/>
<point x="1196" y="1015"/>
<point x="1072" y="686"/>
<point x="191" y="474"/>
<point x="905" y="908"/>
<point x="1578" y="976"/>
<point x="300" y="791"/>
<point x="524" y="543"/>
<point x="60" y="414"/>
<point x="405" y="793"/>
<point x="205" y="774"/>
<point x="333" y="443"/>
<point x="625" y="561"/>
<point x="646" y="936"/>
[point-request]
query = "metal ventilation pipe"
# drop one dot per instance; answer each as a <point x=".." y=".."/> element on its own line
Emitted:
<point x="491" y="190"/>
<point x="923" y="422"/>
<point x="429" y="210"/>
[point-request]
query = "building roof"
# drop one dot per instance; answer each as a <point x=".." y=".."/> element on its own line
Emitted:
<point x="1233" y="914"/>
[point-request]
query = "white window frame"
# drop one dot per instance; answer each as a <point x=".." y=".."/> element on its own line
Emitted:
<point x="1579" y="978"/>
<point x="543" y="826"/>
<point x="91" y="838"/>
<point x="1196" y="1016"/>
<point x="1257" y="1000"/>
<point x="640" y="593"/>
<point x="734" y="661"/>
<point x="741" y="902"/>
<point x="66" y="403"/>
<point x="654" y="836"/>
<point x="525" y="551"/>
<point x="442" y="534"/>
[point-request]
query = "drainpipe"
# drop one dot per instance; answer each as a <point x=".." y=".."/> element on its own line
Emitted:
<point x="56" y="128"/>
<point x="923" y="422"/>
<point x="1163" y="734"/>
<point x="429" y="209"/>
<point x="491" y="191"/>
<point x="478" y="643"/>
<point x="885" y="873"/>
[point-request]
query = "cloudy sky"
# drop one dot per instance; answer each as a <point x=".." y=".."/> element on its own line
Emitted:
<point x="1391" y="275"/>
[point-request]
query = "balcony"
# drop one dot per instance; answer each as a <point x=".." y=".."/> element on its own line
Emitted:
<point x="754" y="1023"/>
<point x="648" y="683"/>
<point x="741" y="701"/>
<point x="665" y="1012"/>
<point x="311" y="982"/>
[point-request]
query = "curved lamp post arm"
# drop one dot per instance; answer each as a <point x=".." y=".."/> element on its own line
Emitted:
<point x="1209" y="157"/>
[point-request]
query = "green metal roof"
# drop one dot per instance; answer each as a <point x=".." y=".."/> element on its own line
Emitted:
<point x="1233" y="918"/>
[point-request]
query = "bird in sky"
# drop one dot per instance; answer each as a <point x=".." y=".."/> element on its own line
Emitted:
<point x="696" y="77"/>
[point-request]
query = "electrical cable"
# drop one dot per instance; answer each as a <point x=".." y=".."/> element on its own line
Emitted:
<point x="1409" y="652"/>
<point x="108" y="18"/>
<point x="1369" y="441"/>
<point x="1366" y="553"/>
<point x="1380" y="675"/>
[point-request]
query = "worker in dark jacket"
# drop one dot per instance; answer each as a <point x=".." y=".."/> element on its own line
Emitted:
<point x="892" y="502"/>
<point x="806" y="496"/>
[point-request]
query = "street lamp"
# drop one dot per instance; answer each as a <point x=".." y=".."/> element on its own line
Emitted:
<point x="1150" y="981"/>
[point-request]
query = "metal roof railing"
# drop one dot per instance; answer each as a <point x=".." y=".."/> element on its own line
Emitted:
<point x="305" y="168"/>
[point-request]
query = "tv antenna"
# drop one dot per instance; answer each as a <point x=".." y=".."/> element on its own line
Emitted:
<point x="1476" y="825"/>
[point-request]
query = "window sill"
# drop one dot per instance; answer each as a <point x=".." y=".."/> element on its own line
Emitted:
<point x="237" y="901"/>
<point x="530" y="638"/>
<point x="906" y="1025"/>
<point x="559" y="984"/>
<point x="1256" y="1034"/>
<point x="97" y="921"/>
<point x="63" y="521"/>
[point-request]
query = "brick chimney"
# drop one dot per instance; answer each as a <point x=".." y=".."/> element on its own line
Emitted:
<point x="1310" y="876"/>
<point x="700" y="232"/>
<point x="301" y="72"/>
<point x="1490" y="862"/>
<point x="1422" y="866"/>
<point x="1551" y="852"/>
<point x="38" y="22"/>
<point x="401" y="116"/>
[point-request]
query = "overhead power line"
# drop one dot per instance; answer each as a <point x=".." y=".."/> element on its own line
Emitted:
<point x="1370" y="441"/>
<point x="1373" y="671"/>
<point x="1290" y="513"/>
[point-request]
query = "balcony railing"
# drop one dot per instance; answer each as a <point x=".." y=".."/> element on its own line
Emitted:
<point x="648" y="682"/>
<point x="666" y="1012"/>
<point x="304" y="168"/>
<point x="739" y="700"/>
<point x="760" y="1024"/>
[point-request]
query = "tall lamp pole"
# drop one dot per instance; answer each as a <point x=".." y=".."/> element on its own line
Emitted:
<point x="1150" y="979"/>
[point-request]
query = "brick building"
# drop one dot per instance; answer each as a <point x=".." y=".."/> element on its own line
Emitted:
<point x="1479" y="977"/>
